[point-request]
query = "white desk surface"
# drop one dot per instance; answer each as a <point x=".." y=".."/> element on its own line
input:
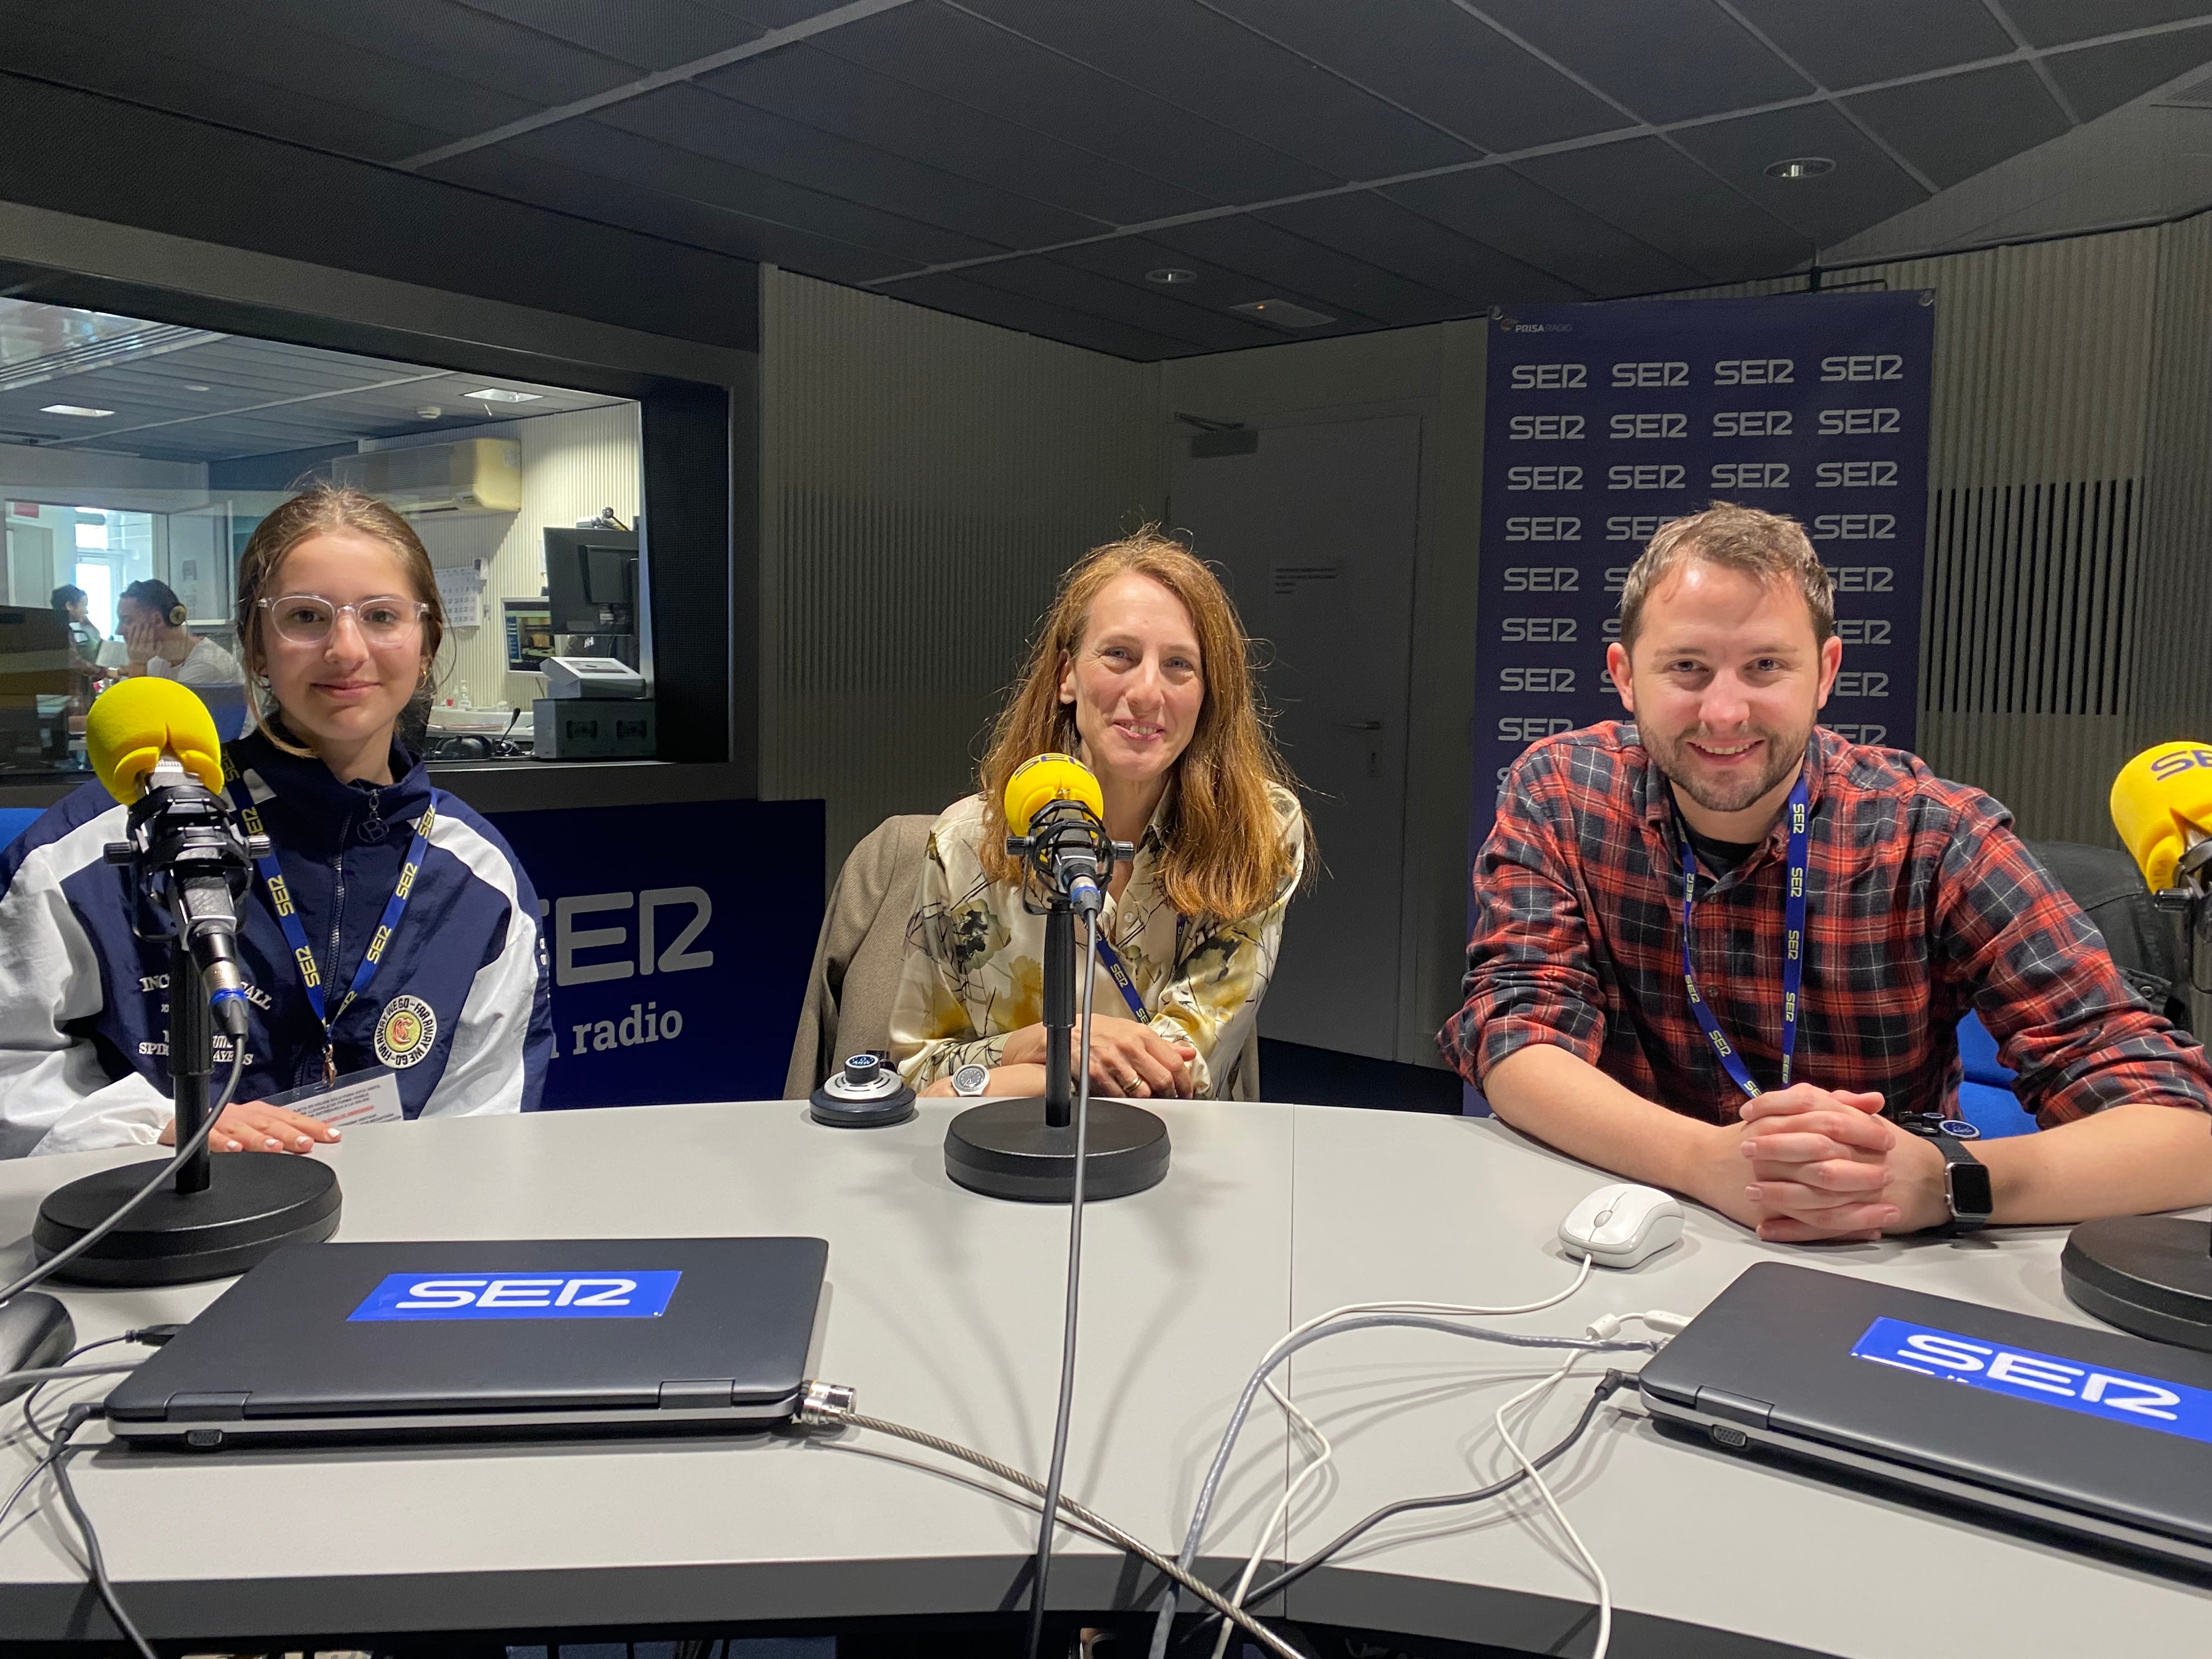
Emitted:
<point x="943" y="1312"/>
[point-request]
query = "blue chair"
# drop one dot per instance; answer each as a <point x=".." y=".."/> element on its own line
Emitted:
<point x="14" y="820"/>
<point x="1985" y="1096"/>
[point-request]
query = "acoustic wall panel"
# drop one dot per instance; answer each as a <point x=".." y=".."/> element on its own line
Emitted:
<point x="925" y="481"/>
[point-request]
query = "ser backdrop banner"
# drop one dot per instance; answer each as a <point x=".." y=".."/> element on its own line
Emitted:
<point x="680" y="937"/>
<point x="1602" y="421"/>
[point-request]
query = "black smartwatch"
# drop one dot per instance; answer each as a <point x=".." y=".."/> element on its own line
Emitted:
<point x="1966" y="1188"/>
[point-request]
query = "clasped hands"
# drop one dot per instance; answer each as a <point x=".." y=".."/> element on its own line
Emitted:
<point x="1128" y="1060"/>
<point x="1810" y="1164"/>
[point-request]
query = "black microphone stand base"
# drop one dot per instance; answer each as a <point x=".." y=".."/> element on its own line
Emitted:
<point x="1005" y="1149"/>
<point x="255" y="1203"/>
<point x="2149" y="1274"/>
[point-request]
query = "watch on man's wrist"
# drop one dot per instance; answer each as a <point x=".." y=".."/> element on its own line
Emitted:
<point x="969" y="1081"/>
<point x="1968" y="1192"/>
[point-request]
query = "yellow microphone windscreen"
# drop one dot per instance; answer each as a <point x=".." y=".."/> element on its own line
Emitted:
<point x="132" y="722"/>
<point x="2162" y="802"/>
<point x="1039" y="782"/>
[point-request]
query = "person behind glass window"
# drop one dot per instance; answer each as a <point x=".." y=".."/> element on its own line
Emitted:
<point x="72" y="606"/>
<point x="152" y="619"/>
<point x="1141" y="670"/>
<point x="338" y="617"/>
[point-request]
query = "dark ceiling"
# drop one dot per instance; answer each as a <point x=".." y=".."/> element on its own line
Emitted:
<point x="1029" y="162"/>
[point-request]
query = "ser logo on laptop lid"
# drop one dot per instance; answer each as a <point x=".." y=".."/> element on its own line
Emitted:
<point x="2145" y="1402"/>
<point x="628" y="1294"/>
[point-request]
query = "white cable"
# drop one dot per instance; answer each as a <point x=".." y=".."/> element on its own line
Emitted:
<point x="1551" y="1503"/>
<point x="1281" y="1518"/>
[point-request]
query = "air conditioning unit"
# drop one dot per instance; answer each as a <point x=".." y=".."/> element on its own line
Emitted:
<point x="476" y="474"/>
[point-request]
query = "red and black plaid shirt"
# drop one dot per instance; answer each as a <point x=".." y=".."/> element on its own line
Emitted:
<point x="1924" y="906"/>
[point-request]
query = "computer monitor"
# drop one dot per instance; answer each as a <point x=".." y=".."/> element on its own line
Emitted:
<point x="590" y="581"/>
<point x="36" y="654"/>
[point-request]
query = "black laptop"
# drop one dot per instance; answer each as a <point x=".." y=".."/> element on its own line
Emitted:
<point x="2087" y="1431"/>
<point x="352" y="1342"/>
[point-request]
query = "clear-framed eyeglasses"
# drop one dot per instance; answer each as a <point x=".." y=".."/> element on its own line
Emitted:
<point x="307" y="618"/>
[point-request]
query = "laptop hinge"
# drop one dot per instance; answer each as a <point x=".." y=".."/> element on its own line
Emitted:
<point x="1734" y="1407"/>
<point x="699" y="1393"/>
<point x="207" y="1407"/>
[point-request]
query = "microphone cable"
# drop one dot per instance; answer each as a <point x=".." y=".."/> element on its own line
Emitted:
<point x="1057" y="1466"/>
<point x="61" y="1258"/>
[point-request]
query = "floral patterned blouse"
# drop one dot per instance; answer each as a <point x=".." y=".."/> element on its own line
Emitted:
<point x="974" y="969"/>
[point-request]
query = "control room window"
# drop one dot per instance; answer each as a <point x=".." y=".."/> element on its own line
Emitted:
<point x="133" y="450"/>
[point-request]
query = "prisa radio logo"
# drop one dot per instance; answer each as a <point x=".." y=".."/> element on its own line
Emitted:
<point x="2048" y="1379"/>
<point x="628" y="1294"/>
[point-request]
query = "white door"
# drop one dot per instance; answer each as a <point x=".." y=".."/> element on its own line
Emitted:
<point x="1315" y="532"/>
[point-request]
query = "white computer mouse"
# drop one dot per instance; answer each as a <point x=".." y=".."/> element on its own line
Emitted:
<point x="1619" y="1225"/>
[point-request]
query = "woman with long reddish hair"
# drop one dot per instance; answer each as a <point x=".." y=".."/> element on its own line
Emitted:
<point x="1141" y="670"/>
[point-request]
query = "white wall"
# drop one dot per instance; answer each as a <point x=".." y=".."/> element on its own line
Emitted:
<point x="573" y="465"/>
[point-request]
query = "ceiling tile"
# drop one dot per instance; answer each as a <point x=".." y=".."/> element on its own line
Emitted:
<point x="1203" y="61"/>
<point x="1032" y="316"/>
<point x="447" y="38"/>
<point x="1669" y="201"/>
<point x="1131" y="258"/>
<point x="1440" y="63"/>
<point x="973" y="62"/>
<point x="1500" y="207"/>
<point x="1849" y="43"/>
<point x="1668" y="60"/>
<point x="688" y="118"/>
<point x="1155" y="310"/>
<point x="655" y="37"/>
<point x="1866" y="187"/>
<point x="2053" y="22"/>
<point x="1953" y="128"/>
<point x="773" y="14"/>
<point x="1272" y="254"/>
<point x="206" y="91"/>
<point x="801" y="84"/>
<point x="250" y="75"/>
<point x="546" y="181"/>
<point x="2096" y="79"/>
<point x="1366" y="227"/>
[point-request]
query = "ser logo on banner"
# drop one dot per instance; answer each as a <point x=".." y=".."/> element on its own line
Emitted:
<point x="1815" y="406"/>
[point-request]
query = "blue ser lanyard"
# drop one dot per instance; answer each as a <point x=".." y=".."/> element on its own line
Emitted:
<point x="1110" y="960"/>
<point x="1793" y="942"/>
<point x="288" y="918"/>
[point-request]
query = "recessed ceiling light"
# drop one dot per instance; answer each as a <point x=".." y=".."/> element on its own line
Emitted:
<point x="1282" y="313"/>
<point x="428" y="412"/>
<point x="492" y="394"/>
<point x="1801" y="167"/>
<point x="1171" y="276"/>
<point x="77" y="410"/>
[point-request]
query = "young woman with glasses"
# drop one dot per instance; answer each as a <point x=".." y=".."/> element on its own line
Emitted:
<point x="339" y="625"/>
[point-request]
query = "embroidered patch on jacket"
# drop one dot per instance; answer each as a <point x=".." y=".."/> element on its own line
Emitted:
<point x="405" y="1032"/>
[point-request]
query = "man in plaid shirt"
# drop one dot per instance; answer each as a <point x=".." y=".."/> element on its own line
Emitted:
<point x="1921" y="905"/>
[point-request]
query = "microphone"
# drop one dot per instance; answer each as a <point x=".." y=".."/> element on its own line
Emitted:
<point x="153" y="743"/>
<point x="1056" y="819"/>
<point x="2162" y="807"/>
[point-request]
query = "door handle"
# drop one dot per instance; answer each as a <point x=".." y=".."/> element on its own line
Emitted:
<point x="1360" y="725"/>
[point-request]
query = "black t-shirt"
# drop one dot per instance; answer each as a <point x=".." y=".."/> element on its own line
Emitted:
<point x="1720" y="856"/>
